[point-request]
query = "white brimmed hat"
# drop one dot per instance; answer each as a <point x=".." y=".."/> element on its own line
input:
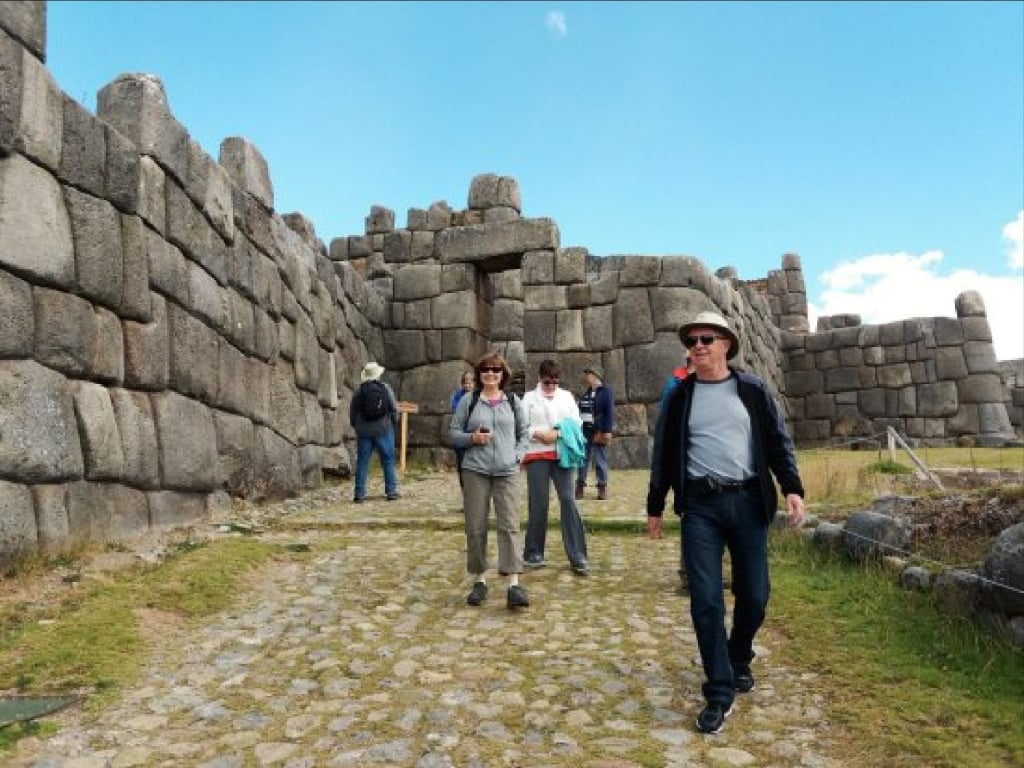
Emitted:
<point x="371" y="371"/>
<point x="709" y="319"/>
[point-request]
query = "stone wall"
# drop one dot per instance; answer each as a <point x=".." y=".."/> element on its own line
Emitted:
<point x="167" y="339"/>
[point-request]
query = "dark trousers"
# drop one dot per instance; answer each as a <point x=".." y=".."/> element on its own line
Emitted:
<point x="712" y="522"/>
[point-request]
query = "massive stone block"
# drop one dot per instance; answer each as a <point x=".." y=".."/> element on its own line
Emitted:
<point x="17" y="324"/>
<point x="99" y="256"/>
<point x="40" y="129"/>
<point x="147" y="349"/>
<point x="136" y="105"/>
<point x="188" y="443"/>
<point x="26" y="21"/>
<point x="483" y="242"/>
<point x="35" y="231"/>
<point x="247" y="168"/>
<point x="18" y="534"/>
<point x="105" y="512"/>
<point x="137" y="432"/>
<point x="83" y="155"/>
<point x="65" y="332"/>
<point x="97" y="428"/>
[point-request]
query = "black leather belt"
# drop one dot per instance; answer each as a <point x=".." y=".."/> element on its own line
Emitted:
<point x="707" y="485"/>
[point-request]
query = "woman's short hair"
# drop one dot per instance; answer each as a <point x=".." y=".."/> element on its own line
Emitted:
<point x="494" y="359"/>
<point x="549" y="369"/>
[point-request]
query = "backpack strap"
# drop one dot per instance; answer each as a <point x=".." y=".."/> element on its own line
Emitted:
<point x="511" y="401"/>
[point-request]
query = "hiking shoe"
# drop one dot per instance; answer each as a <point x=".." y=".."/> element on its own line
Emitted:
<point x="580" y="569"/>
<point x="478" y="594"/>
<point x="517" y="598"/>
<point x="534" y="562"/>
<point x="712" y="717"/>
<point x="358" y="499"/>
<point x="602" y="493"/>
<point x="579" y="493"/>
<point x="392" y="496"/>
<point x="742" y="678"/>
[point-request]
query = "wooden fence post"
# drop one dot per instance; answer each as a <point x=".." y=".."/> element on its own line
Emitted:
<point x="405" y="409"/>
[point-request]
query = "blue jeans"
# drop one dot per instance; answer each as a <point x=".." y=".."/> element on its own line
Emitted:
<point x="385" y="447"/>
<point x="734" y="519"/>
<point x="599" y="455"/>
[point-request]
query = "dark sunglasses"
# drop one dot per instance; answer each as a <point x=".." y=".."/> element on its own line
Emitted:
<point x="706" y="339"/>
<point x="491" y="369"/>
<point x="549" y="382"/>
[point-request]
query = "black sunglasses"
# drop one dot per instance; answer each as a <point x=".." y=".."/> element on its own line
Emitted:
<point x="491" y="369"/>
<point x="706" y="339"/>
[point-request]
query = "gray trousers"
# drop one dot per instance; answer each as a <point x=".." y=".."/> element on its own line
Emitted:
<point x="539" y="476"/>
<point x="478" y="491"/>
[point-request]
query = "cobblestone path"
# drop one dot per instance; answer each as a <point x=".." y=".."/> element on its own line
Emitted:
<point x="363" y="652"/>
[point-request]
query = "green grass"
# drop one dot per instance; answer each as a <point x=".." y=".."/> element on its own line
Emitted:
<point x="911" y="685"/>
<point x="95" y="643"/>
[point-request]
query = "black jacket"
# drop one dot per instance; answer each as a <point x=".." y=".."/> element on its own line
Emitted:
<point x="773" y="447"/>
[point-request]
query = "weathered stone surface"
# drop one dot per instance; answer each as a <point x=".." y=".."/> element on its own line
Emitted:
<point x="39" y="133"/>
<point x="1004" y="567"/>
<point x="83" y="155"/>
<point x="17" y="323"/>
<point x="193" y="358"/>
<point x="248" y="169"/>
<point x="51" y="516"/>
<point x="671" y="307"/>
<point x="868" y="535"/>
<point x="235" y="441"/>
<point x="35" y="231"/>
<point x="188" y="443"/>
<point x="480" y="242"/>
<point x="26" y="21"/>
<point x="380" y="220"/>
<point x="970" y="304"/>
<point x="105" y="512"/>
<point x="648" y="367"/>
<point x="65" y="332"/>
<point x="147" y="349"/>
<point x="123" y="172"/>
<point x="276" y="466"/>
<point x="137" y="433"/>
<point x="97" y="429"/>
<point x="983" y="388"/>
<point x="172" y="509"/>
<point x="136" y="105"/>
<point x="569" y="330"/>
<point x="488" y="190"/>
<point x="454" y="310"/>
<point x="632" y="322"/>
<point x="17" y="522"/>
<point x="419" y="281"/>
<point x="99" y="259"/>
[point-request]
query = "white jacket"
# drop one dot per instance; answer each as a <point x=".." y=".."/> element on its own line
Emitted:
<point x="545" y="413"/>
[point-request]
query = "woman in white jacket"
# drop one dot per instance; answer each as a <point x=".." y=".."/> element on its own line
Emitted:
<point x="547" y="405"/>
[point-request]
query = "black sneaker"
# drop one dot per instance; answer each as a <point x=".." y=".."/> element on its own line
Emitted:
<point x="534" y="562"/>
<point x="712" y="718"/>
<point x="742" y="678"/>
<point x="358" y="499"/>
<point x="392" y="497"/>
<point x="478" y="594"/>
<point x="517" y="598"/>
<point x="580" y="569"/>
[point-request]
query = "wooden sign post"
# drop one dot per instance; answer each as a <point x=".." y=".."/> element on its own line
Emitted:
<point x="405" y="409"/>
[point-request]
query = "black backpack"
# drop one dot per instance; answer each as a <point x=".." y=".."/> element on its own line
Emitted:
<point x="374" y="402"/>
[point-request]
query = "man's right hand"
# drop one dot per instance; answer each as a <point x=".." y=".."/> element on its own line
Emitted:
<point x="654" y="527"/>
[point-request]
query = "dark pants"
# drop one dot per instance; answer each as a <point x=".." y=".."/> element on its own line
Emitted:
<point x="733" y="519"/>
<point x="460" y="454"/>
<point x="598" y="454"/>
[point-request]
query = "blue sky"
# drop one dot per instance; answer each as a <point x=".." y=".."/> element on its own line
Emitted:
<point x="882" y="142"/>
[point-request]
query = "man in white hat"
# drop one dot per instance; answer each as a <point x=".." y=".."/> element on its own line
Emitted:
<point x="719" y="440"/>
<point x="373" y="414"/>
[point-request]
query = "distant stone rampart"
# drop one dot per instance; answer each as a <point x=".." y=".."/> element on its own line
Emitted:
<point x="167" y="339"/>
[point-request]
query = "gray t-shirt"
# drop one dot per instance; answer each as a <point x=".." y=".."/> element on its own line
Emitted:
<point x="721" y="442"/>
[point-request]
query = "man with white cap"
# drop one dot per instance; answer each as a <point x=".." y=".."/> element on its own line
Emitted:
<point x="719" y="440"/>
<point x="373" y="414"/>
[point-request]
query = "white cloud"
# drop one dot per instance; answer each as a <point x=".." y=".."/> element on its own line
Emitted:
<point x="884" y="287"/>
<point x="556" y="23"/>
<point x="1013" y="233"/>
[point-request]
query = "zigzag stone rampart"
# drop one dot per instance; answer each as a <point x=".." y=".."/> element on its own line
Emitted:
<point x="167" y="339"/>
